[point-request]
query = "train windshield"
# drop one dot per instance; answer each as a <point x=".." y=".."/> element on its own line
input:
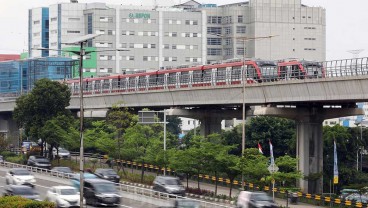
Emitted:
<point x="267" y="67"/>
<point x="313" y="69"/>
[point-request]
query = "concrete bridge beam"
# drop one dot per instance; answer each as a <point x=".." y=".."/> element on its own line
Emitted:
<point x="309" y="137"/>
<point x="210" y="118"/>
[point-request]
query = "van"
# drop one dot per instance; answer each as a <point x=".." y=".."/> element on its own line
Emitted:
<point x="170" y="185"/>
<point x="247" y="199"/>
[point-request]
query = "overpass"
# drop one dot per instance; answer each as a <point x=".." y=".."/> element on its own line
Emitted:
<point x="307" y="101"/>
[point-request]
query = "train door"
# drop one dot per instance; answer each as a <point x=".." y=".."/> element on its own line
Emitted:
<point x="252" y="73"/>
<point x="220" y="76"/>
<point x="184" y="79"/>
<point x="171" y="80"/>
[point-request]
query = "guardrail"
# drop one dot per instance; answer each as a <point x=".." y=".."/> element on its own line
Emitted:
<point x="122" y="187"/>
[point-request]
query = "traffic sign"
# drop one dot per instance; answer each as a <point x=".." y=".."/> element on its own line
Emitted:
<point x="273" y="168"/>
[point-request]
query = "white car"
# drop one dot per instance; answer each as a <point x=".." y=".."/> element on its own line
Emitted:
<point x="20" y="176"/>
<point x="62" y="153"/>
<point x="64" y="196"/>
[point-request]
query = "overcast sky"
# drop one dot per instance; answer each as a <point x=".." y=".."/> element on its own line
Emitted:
<point x="346" y="22"/>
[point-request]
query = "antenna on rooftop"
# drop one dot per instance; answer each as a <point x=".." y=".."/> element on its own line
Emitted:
<point x="355" y="52"/>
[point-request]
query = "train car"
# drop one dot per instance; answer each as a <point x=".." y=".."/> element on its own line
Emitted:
<point x="227" y="73"/>
<point x="296" y="69"/>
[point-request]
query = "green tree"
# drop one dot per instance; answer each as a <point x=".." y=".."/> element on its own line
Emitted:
<point x="173" y="125"/>
<point x="288" y="173"/>
<point x="182" y="162"/>
<point x="100" y="138"/>
<point x="59" y="131"/>
<point x="254" y="167"/>
<point x="121" y="118"/>
<point x="46" y="100"/>
<point x="229" y="164"/>
<point x="137" y="140"/>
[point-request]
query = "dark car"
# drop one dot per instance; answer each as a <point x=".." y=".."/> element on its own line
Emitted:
<point x="99" y="192"/>
<point x="107" y="174"/>
<point x="21" y="190"/>
<point x="66" y="170"/>
<point x="39" y="161"/>
<point x="169" y="185"/>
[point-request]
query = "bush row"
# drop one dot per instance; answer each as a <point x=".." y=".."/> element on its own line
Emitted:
<point x="19" y="202"/>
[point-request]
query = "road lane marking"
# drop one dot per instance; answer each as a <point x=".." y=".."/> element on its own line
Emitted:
<point x="125" y="206"/>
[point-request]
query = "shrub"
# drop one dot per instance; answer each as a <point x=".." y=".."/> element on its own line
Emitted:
<point x="136" y="178"/>
<point x="16" y="159"/>
<point x="6" y="154"/>
<point x="19" y="202"/>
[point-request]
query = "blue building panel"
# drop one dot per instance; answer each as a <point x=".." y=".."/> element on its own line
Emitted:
<point x="19" y="76"/>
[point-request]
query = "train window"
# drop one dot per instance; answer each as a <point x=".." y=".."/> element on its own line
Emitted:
<point x="268" y="70"/>
<point x="152" y="80"/>
<point x="236" y="73"/>
<point x="197" y="76"/>
<point x="251" y="72"/>
<point x="295" y="71"/>
<point x="76" y="87"/>
<point x="142" y="81"/>
<point x="184" y="77"/>
<point x="106" y="84"/>
<point x="221" y="73"/>
<point x="131" y="82"/>
<point x="171" y="79"/>
<point x="160" y="79"/>
<point x="115" y="84"/>
<point x="207" y="75"/>
<point x="123" y="83"/>
<point x="97" y="85"/>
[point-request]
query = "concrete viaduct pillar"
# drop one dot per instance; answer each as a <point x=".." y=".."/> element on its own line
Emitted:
<point x="9" y="129"/>
<point x="309" y="148"/>
<point x="210" y="118"/>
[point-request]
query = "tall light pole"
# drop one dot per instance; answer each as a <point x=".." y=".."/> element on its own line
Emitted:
<point x="81" y="41"/>
<point x="244" y="39"/>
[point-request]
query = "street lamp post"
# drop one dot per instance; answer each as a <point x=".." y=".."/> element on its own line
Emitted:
<point x="81" y="41"/>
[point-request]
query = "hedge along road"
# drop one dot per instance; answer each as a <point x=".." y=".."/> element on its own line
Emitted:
<point x="43" y="183"/>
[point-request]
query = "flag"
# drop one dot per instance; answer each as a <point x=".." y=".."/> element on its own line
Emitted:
<point x="260" y="148"/>
<point x="271" y="154"/>
<point x="336" y="171"/>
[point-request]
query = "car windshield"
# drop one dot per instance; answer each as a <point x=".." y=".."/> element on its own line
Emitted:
<point x="63" y="151"/>
<point x="173" y="182"/>
<point x="105" y="188"/>
<point x="64" y="170"/>
<point x="68" y="192"/>
<point x="86" y="175"/>
<point x="261" y="197"/>
<point x="21" y="172"/>
<point x="23" y="191"/>
<point x="109" y="172"/>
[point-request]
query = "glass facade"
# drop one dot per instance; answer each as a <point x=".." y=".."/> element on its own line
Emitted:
<point x="18" y="77"/>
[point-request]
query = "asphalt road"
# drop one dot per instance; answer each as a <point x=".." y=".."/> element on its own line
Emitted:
<point x="43" y="185"/>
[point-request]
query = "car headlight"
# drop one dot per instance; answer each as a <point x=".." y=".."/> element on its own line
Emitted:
<point x="62" y="202"/>
<point x="105" y="177"/>
<point x="33" y="180"/>
<point x="117" y="176"/>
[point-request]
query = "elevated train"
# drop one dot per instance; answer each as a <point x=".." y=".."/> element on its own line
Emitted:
<point x="227" y="73"/>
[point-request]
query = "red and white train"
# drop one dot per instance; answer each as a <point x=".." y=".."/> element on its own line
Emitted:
<point x="227" y="73"/>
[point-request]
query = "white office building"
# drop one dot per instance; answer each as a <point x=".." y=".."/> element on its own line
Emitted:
<point x="185" y="34"/>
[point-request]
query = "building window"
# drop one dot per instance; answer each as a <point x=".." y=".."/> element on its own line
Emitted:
<point x="53" y="19"/>
<point x="131" y="58"/>
<point x="166" y="46"/>
<point x="214" y="30"/>
<point x="36" y="22"/>
<point x="214" y="19"/>
<point x="174" y="34"/>
<point x="228" y="41"/>
<point x="74" y="19"/>
<point x="214" y="51"/>
<point x="72" y="31"/>
<point x="36" y="34"/>
<point x="173" y="46"/>
<point x="166" y="58"/>
<point x="174" y="59"/>
<point x="101" y="32"/>
<point x="187" y="22"/>
<point x="227" y="30"/>
<point x="240" y="51"/>
<point x="187" y="35"/>
<point x="145" y="58"/>
<point x="195" y="22"/>
<point x="111" y="32"/>
<point x="131" y="45"/>
<point x="213" y="41"/>
<point x="145" y="45"/>
<point x="228" y="51"/>
<point x="240" y="18"/>
<point x="153" y="45"/>
<point x="131" y="32"/>
<point x="195" y="35"/>
<point x="240" y="29"/>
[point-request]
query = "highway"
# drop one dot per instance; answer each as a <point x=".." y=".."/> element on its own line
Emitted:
<point x="42" y="185"/>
